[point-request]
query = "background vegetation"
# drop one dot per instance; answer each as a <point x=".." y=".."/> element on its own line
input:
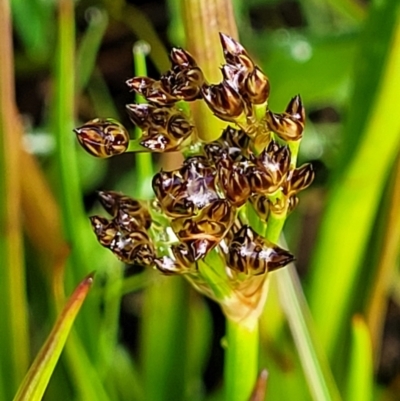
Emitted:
<point x="141" y="336"/>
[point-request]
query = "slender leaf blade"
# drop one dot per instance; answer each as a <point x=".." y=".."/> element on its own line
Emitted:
<point x="38" y="376"/>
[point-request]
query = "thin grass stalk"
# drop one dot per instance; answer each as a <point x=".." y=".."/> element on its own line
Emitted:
<point x="241" y="360"/>
<point x="14" y="344"/>
<point x="203" y="22"/>
<point x="81" y="350"/>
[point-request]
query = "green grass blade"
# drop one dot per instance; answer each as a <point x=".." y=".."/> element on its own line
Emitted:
<point x="14" y="343"/>
<point x="164" y="339"/>
<point x="361" y="372"/>
<point x="89" y="46"/>
<point x="353" y="202"/>
<point x="38" y="376"/>
<point x="315" y="366"/>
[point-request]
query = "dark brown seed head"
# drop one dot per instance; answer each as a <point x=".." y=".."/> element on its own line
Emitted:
<point x="103" y="137"/>
<point x="235" y="54"/>
<point x="151" y="89"/>
<point x="299" y="179"/>
<point x="252" y="254"/>
<point x="104" y="229"/>
<point x="256" y="86"/>
<point x="224" y="101"/>
<point x="133" y="248"/>
<point x="289" y="125"/>
<point x="139" y="114"/>
<point x="233" y="180"/>
<point x="181" y="58"/>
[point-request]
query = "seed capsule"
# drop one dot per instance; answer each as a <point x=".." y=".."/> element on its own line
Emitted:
<point x="252" y="254"/>
<point x="204" y="231"/>
<point x="256" y="86"/>
<point x="151" y="89"/>
<point x="103" y="137"/>
<point x="104" y="229"/>
<point x="224" y="101"/>
<point x="289" y="125"/>
<point x="271" y="168"/>
<point x="299" y="179"/>
<point x="129" y="214"/>
<point x="235" y="54"/>
<point x="233" y="180"/>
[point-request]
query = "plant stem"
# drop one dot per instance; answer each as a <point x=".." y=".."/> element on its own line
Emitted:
<point x="241" y="359"/>
<point x="14" y="347"/>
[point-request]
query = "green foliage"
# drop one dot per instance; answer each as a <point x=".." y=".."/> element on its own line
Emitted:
<point x="341" y="56"/>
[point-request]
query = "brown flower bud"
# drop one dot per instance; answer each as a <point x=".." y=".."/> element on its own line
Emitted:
<point x="272" y="166"/>
<point x="235" y="138"/>
<point x="151" y="89"/>
<point x="104" y="229"/>
<point x="103" y="137"/>
<point x="139" y="114"/>
<point x="256" y="86"/>
<point x="235" y="53"/>
<point x="233" y="180"/>
<point x="133" y="248"/>
<point x="170" y="190"/>
<point x="129" y="214"/>
<point x="252" y="254"/>
<point x="163" y="128"/>
<point x="182" y="58"/>
<point x="289" y="125"/>
<point x="224" y="101"/>
<point x="204" y="231"/>
<point x="261" y="205"/>
<point x="299" y="179"/>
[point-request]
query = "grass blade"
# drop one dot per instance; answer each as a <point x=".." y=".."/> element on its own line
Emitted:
<point x="354" y="200"/>
<point x="14" y="345"/>
<point x="38" y="376"/>
<point x="360" y="376"/>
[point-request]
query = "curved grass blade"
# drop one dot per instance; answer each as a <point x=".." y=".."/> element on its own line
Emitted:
<point x="38" y="376"/>
<point x="360" y="375"/>
<point x="354" y="201"/>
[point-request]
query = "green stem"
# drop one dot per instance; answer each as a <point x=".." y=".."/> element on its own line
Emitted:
<point x="14" y="336"/>
<point x="241" y="360"/>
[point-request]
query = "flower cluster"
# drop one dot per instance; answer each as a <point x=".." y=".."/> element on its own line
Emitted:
<point x="204" y="207"/>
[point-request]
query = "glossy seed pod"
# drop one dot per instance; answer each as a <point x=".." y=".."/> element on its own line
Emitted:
<point x="289" y="125"/>
<point x="256" y="86"/>
<point x="103" y="137"/>
<point x="128" y="213"/>
<point x="151" y="89"/>
<point x="252" y="254"/>
<point x="299" y="179"/>
<point x="133" y="248"/>
<point x="224" y="101"/>
<point x="271" y="169"/>
<point x="105" y="230"/>
<point x="235" y="138"/>
<point x="234" y="53"/>
<point x="205" y="230"/>
<point x="163" y="128"/>
<point x="182" y="59"/>
<point x="234" y="181"/>
<point x="183" y="84"/>
<point x="261" y="205"/>
<point x="170" y="190"/>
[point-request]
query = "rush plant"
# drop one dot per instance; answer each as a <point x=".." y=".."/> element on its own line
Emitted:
<point x="216" y="220"/>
